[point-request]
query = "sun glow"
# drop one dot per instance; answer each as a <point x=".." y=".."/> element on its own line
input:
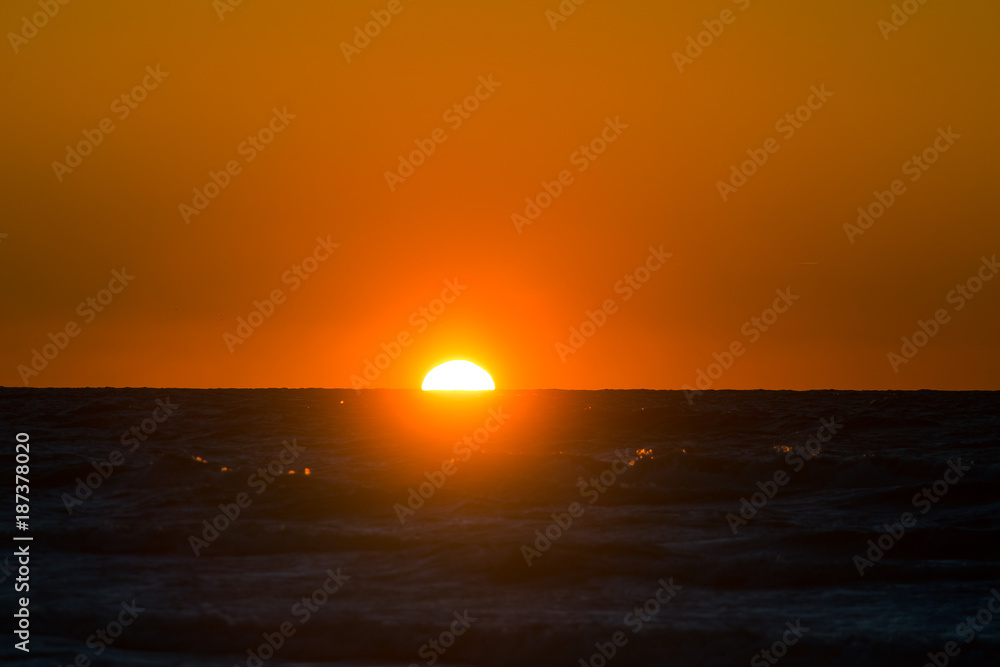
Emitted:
<point x="458" y="375"/>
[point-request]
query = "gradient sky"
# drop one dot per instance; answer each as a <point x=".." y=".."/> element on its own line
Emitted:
<point x="656" y="184"/>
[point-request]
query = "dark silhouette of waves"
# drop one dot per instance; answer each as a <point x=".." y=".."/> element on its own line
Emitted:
<point x="106" y="533"/>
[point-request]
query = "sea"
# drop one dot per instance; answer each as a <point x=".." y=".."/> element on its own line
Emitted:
<point x="308" y="527"/>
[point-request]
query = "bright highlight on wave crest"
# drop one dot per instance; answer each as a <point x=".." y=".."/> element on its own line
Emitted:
<point x="458" y="375"/>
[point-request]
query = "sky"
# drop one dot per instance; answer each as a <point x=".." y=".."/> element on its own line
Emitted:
<point x="627" y="194"/>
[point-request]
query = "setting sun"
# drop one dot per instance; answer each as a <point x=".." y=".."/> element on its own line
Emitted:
<point x="458" y="375"/>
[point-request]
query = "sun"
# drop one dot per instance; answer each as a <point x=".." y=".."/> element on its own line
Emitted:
<point x="458" y="375"/>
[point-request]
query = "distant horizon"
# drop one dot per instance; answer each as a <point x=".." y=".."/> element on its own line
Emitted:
<point x="498" y="389"/>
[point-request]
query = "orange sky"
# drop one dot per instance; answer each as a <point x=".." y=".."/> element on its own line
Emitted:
<point x="330" y="129"/>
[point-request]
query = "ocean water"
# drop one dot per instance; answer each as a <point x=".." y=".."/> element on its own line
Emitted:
<point x="505" y="528"/>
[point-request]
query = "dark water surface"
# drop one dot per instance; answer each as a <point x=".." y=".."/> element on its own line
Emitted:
<point x="646" y="490"/>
